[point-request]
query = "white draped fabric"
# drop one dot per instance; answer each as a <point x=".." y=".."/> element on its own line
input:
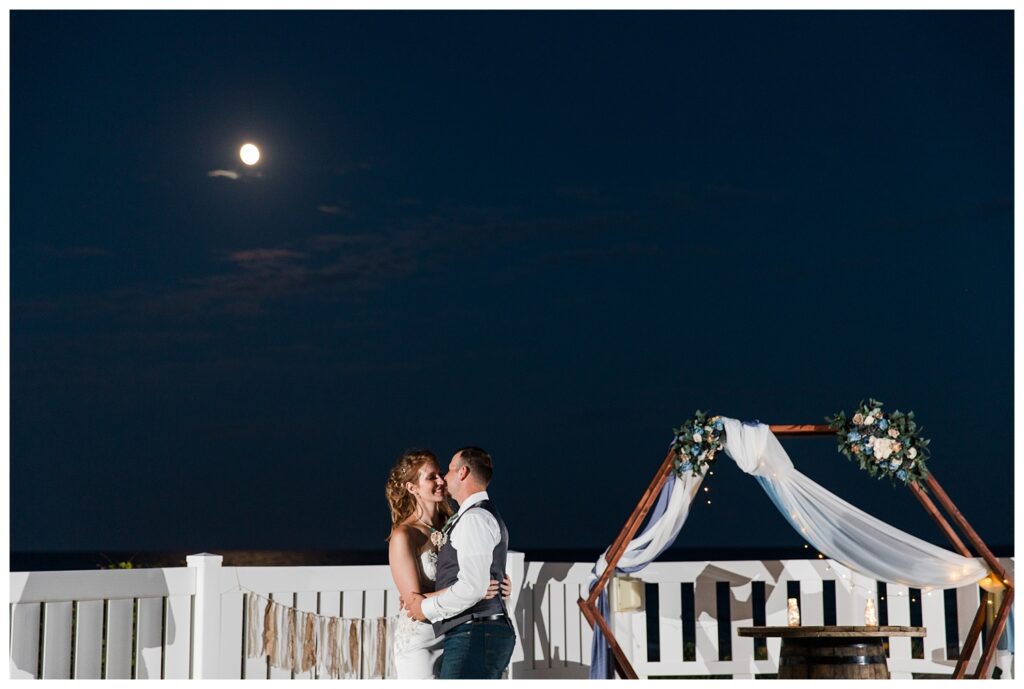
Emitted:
<point x="666" y="520"/>
<point x="838" y="529"/>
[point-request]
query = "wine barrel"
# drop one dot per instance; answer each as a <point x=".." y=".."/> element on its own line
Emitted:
<point x="832" y="658"/>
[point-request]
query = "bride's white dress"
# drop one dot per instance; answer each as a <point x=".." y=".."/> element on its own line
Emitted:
<point x="417" y="651"/>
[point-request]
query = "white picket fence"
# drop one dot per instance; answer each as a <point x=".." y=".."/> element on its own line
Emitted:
<point x="187" y="622"/>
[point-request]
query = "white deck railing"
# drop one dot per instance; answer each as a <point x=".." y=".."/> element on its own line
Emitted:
<point x="188" y="621"/>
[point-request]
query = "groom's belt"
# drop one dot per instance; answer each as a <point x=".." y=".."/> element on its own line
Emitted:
<point x="488" y="618"/>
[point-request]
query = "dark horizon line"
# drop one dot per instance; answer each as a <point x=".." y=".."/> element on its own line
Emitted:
<point x="26" y="561"/>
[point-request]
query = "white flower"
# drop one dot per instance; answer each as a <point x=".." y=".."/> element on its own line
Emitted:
<point x="858" y="418"/>
<point x="871" y="440"/>
<point x="912" y="452"/>
<point x="896" y="447"/>
<point x="893" y="433"/>
<point x="894" y="464"/>
<point x="882" y="447"/>
<point x="868" y="420"/>
<point x="696" y="437"/>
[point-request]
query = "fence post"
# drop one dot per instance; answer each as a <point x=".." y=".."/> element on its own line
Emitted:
<point x="515" y="566"/>
<point x="206" y="615"/>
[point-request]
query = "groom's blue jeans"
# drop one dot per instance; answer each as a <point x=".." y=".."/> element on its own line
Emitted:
<point x="478" y="650"/>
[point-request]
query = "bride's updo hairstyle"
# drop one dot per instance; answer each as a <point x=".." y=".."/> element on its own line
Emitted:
<point x="406" y="470"/>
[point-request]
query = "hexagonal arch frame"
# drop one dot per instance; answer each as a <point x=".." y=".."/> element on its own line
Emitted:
<point x="931" y="489"/>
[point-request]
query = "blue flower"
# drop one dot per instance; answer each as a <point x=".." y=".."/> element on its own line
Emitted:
<point x="695" y="450"/>
<point x="718" y="425"/>
<point x="853" y="436"/>
<point x="867" y="449"/>
<point x="883" y="424"/>
<point x="901" y="475"/>
<point x="686" y="466"/>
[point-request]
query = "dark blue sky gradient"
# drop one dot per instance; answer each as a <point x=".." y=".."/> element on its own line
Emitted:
<point x="551" y="234"/>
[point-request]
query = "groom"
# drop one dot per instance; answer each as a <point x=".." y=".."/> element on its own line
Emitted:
<point x="479" y="636"/>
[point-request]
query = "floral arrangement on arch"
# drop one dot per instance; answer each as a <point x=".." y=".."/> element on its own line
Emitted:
<point x="696" y="442"/>
<point x="884" y="444"/>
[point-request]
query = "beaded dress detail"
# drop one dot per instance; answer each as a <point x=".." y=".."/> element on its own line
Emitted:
<point x="410" y="633"/>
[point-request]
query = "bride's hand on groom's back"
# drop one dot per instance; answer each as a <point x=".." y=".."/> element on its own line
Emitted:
<point x="506" y="588"/>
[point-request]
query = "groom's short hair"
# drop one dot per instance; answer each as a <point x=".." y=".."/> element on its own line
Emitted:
<point x="478" y="461"/>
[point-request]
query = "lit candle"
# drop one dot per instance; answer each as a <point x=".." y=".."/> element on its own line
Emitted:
<point x="794" y="612"/>
<point x="870" y="616"/>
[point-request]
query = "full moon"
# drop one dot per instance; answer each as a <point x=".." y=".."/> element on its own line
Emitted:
<point x="249" y="154"/>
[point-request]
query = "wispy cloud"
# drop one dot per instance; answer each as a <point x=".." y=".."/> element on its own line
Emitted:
<point x="341" y="209"/>
<point x="252" y="257"/>
<point x="230" y="174"/>
<point x="335" y="267"/>
<point x="330" y="242"/>
<point x="328" y="268"/>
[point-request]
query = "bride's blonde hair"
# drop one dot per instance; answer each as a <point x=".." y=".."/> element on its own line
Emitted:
<point x="406" y="470"/>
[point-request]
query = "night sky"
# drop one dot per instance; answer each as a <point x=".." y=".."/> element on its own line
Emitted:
<point x="551" y="234"/>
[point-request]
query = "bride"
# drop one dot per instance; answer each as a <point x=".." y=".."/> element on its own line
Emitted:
<point x="419" y="508"/>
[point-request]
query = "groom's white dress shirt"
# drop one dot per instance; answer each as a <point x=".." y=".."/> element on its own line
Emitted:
<point x="474" y="538"/>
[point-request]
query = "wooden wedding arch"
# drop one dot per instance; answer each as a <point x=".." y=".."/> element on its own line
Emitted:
<point x="625" y="669"/>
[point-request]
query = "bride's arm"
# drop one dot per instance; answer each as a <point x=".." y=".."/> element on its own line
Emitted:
<point x="493" y="588"/>
<point x="402" y="560"/>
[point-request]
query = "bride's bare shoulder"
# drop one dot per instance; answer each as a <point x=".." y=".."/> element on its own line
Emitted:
<point x="406" y="535"/>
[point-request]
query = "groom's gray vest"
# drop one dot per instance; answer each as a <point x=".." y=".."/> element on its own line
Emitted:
<point x="448" y="572"/>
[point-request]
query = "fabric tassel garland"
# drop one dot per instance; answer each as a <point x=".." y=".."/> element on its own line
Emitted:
<point x="331" y="647"/>
<point x="331" y="657"/>
<point x="380" y="666"/>
<point x="309" y="643"/>
<point x="289" y="649"/>
<point x="350" y="667"/>
<point x="253" y="622"/>
<point x="270" y="633"/>
<point x="321" y="646"/>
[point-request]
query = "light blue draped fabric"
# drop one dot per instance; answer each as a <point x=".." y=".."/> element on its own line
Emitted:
<point x="643" y="550"/>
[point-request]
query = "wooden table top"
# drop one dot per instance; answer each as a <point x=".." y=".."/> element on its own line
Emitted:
<point x="803" y="632"/>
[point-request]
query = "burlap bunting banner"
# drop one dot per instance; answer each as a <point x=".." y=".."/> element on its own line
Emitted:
<point x="300" y="641"/>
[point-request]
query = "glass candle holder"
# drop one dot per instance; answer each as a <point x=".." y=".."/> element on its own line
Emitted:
<point x="793" y="612"/>
<point x="870" y="614"/>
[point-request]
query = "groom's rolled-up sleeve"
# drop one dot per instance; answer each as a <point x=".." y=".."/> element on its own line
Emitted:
<point x="474" y="538"/>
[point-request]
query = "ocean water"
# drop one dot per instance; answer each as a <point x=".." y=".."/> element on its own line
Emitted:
<point x="78" y="560"/>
